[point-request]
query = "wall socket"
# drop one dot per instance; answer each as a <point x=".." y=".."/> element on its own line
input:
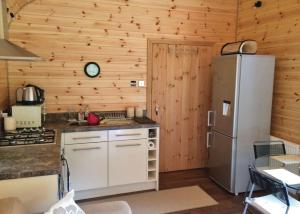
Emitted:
<point x="133" y="83"/>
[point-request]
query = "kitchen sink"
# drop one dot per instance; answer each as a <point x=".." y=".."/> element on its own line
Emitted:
<point x="106" y="122"/>
<point x="78" y="123"/>
<point x="116" y="122"/>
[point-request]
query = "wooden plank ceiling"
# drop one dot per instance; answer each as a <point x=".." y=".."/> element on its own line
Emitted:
<point x="114" y="33"/>
<point x="276" y="27"/>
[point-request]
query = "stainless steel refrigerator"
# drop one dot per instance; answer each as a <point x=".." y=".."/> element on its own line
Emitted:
<point x="240" y="114"/>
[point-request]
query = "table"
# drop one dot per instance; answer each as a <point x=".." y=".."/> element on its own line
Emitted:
<point x="285" y="168"/>
<point x="289" y="162"/>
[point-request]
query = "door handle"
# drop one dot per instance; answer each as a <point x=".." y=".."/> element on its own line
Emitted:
<point x="129" y="145"/>
<point x="128" y="135"/>
<point x="211" y="118"/>
<point x="83" y="138"/>
<point x="87" y="148"/>
<point x="156" y="109"/>
<point x="208" y="139"/>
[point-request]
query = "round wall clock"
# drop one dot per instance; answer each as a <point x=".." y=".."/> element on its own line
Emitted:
<point x="92" y="69"/>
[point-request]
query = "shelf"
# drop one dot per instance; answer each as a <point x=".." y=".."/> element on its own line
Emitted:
<point x="152" y="141"/>
<point x="152" y="133"/>
<point x="152" y="168"/>
<point x="152" y="165"/>
<point x="151" y="155"/>
<point x="152" y="175"/>
<point x="151" y="179"/>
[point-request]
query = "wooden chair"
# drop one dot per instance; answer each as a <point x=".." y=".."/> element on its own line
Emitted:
<point x="275" y="201"/>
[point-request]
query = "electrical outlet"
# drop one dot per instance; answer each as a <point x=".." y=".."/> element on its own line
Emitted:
<point x="133" y="83"/>
<point x="141" y="83"/>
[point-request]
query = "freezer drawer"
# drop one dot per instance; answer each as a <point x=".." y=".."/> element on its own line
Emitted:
<point x="221" y="160"/>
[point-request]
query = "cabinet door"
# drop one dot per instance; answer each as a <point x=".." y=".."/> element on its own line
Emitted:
<point x="88" y="165"/>
<point x="127" y="161"/>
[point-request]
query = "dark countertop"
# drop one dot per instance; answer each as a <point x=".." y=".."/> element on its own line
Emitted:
<point x="39" y="160"/>
<point x="65" y="127"/>
<point x="30" y="160"/>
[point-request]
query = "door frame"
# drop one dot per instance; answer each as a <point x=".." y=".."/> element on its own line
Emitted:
<point x="150" y="43"/>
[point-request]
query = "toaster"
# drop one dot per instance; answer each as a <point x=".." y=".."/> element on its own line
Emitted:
<point x="27" y="115"/>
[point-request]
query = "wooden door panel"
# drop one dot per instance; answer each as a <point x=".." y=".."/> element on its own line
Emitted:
<point x="181" y="89"/>
<point x="189" y="107"/>
<point x="159" y="80"/>
<point x="172" y="154"/>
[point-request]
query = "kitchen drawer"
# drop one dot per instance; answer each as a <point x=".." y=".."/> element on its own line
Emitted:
<point x="127" y="162"/>
<point x="88" y="165"/>
<point x="128" y="134"/>
<point x="85" y="137"/>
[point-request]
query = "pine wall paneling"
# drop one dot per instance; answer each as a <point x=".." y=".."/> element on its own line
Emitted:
<point x="276" y="27"/>
<point x="3" y="85"/>
<point x="114" y="33"/>
<point x="3" y="65"/>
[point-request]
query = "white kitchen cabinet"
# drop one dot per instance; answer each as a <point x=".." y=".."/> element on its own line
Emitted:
<point x="127" y="161"/>
<point x="88" y="165"/>
<point x="124" y="163"/>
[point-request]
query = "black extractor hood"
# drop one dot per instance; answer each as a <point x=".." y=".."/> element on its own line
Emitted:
<point x="8" y="50"/>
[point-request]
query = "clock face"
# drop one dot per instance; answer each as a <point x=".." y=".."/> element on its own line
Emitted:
<point x="92" y="69"/>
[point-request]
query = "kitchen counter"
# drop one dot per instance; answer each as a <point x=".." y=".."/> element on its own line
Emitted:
<point x="65" y="126"/>
<point x="30" y="160"/>
<point x="39" y="160"/>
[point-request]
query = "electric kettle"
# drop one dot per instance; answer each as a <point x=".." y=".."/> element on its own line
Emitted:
<point x="30" y="95"/>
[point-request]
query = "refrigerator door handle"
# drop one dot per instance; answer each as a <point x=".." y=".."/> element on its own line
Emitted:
<point x="211" y="118"/>
<point x="208" y="139"/>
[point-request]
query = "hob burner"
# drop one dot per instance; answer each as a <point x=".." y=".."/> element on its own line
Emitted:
<point x="28" y="136"/>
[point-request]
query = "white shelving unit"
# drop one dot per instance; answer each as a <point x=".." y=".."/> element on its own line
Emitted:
<point x="153" y="155"/>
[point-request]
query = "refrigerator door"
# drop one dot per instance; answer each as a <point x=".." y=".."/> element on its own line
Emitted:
<point x="225" y="94"/>
<point x="222" y="160"/>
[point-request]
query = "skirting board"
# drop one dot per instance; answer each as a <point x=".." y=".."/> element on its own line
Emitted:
<point x="93" y="193"/>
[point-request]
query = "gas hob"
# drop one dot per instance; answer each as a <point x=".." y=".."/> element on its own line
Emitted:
<point x="28" y="136"/>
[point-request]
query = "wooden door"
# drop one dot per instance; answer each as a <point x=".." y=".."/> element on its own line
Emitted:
<point x="179" y="101"/>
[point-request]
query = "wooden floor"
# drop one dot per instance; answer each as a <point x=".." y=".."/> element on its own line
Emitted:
<point x="228" y="203"/>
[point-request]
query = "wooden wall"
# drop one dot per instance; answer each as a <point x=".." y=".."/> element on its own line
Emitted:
<point x="3" y="85"/>
<point x="114" y="33"/>
<point x="276" y="27"/>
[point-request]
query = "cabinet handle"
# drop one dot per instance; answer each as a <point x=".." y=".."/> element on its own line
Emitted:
<point x="211" y="118"/>
<point x="209" y="135"/>
<point x="87" y="148"/>
<point x="127" y="135"/>
<point x="82" y="138"/>
<point x="129" y="145"/>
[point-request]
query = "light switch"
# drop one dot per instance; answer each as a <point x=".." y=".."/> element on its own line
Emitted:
<point x="141" y="83"/>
